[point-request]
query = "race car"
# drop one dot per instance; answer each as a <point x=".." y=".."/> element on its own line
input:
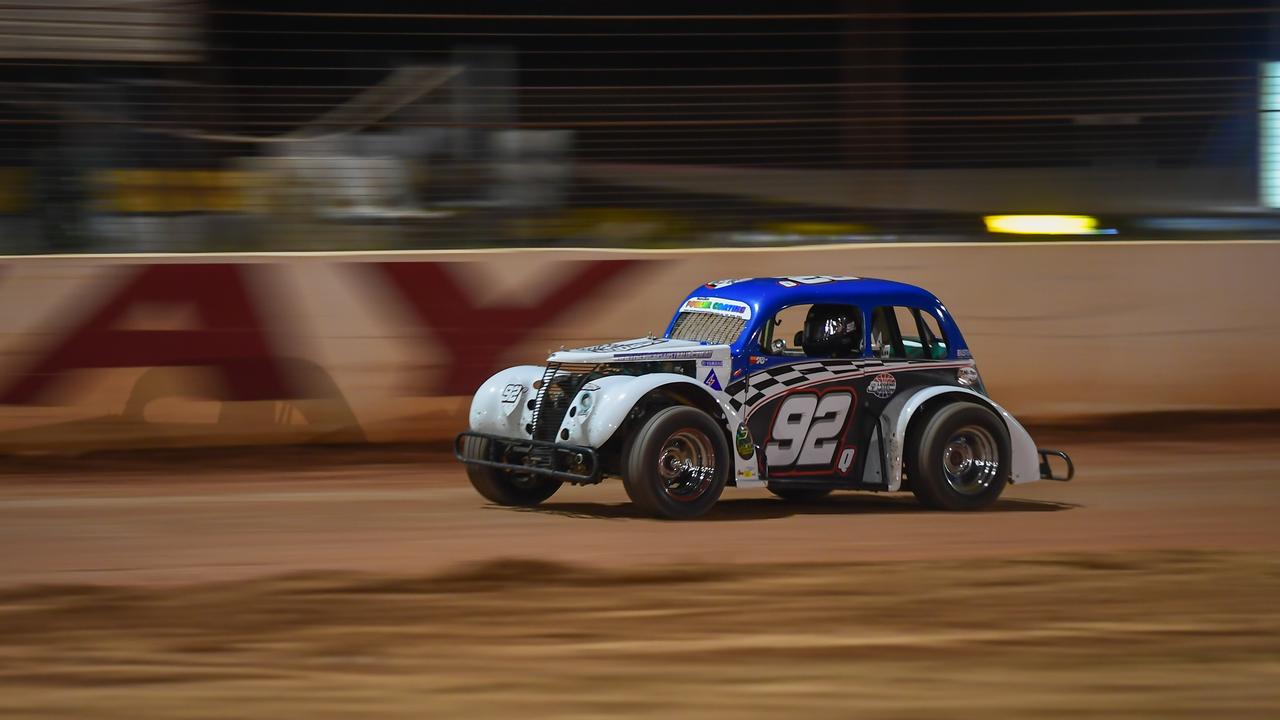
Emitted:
<point x="802" y="385"/>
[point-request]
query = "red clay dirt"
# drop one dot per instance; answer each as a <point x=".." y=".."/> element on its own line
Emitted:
<point x="341" y="583"/>
<point x="177" y="521"/>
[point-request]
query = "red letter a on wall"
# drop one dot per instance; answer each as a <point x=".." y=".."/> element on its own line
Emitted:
<point x="228" y="338"/>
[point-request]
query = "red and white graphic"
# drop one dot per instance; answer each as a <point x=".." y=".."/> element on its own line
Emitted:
<point x="883" y="386"/>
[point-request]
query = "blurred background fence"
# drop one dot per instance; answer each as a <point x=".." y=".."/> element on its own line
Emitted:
<point x="165" y="125"/>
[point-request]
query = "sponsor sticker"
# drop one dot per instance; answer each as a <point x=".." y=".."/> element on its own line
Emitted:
<point x="883" y="386"/>
<point x="687" y="355"/>
<point x="742" y="441"/>
<point x="712" y="381"/>
<point x="712" y="363"/>
<point x="717" y="306"/>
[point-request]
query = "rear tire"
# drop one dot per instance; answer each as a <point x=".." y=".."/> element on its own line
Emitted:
<point x="958" y="457"/>
<point x="504" y="487"/>
<point x="800" y="495"/>
<point x="676" y="464"/>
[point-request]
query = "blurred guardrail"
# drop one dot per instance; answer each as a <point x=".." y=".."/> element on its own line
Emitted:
<point x="119" y="351"/>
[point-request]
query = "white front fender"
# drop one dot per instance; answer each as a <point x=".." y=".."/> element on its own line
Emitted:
<point x="1022" y="449"/>
<point x="494" y="410"/>
<point x="613" y="400"/>
<point x="616" y="395"/>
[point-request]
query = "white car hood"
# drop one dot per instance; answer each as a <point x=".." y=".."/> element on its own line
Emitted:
<point x="638" y="350"/>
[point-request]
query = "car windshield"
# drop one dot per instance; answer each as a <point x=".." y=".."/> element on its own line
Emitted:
<point x="707" y="327"/>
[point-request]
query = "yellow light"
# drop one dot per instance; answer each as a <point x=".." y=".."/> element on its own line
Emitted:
<point x="1042" y="224"/>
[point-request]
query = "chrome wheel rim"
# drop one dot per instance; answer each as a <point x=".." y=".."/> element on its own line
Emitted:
<point x="686" y="465"/>
<point x="971" y="460"/>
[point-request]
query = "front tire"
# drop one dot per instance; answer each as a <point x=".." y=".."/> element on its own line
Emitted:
<point x="676" y="464"/>
<point x="504" y="487"/>
<point x="958" y="457"/>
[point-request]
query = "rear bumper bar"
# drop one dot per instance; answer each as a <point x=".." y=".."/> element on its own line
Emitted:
<point x="570" y="463"/>
<point x="1046" y="471"/>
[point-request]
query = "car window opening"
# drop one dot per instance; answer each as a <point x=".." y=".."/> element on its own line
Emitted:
<point x="902" y="333"/>
<point x="820" y="331"/>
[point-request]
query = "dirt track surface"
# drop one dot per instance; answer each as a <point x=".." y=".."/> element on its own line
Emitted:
<point x="184" y="520"/>
<point x="1156" y="635"/>
<point x="336" y="587"/>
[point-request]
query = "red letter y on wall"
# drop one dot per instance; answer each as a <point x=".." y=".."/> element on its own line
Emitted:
<point x="476" y="337"/>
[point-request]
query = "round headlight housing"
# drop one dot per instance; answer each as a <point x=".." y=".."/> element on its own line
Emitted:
<point x="968" y="377"/>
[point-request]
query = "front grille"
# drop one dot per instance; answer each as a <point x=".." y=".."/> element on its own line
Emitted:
<point x="559" y="386"/>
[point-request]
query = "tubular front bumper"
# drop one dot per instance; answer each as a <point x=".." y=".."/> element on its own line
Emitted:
<point x="1046" y="471"/>
<point x="570" y="463"/>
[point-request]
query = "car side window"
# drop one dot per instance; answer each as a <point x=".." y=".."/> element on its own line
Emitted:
<point x="902" y="333"/>
<point x="779" y="334"/>
<point x="930" y="334"/>
<point x="816" y="331"/>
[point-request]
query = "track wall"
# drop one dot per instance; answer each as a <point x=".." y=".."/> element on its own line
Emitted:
<point x="135" y="351"/>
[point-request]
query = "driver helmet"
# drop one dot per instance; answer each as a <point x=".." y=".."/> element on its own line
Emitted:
<point x="832" y="331"/>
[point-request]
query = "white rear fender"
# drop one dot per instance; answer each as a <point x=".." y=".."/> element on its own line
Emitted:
<point x="500" y="406"/>
<point x="899" y="413"/>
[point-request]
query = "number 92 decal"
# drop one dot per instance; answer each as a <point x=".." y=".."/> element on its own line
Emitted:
<point x="807" y="433"/>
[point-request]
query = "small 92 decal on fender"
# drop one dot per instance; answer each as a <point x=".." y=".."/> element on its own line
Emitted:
<point x="807" y="431"/>
<point x="512" y="392"/>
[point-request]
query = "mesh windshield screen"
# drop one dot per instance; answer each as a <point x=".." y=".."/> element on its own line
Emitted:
<point x="707" y="327"/>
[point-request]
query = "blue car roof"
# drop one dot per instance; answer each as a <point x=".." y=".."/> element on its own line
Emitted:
<point x="770" y="292"/>
<point x="767" y="295"/>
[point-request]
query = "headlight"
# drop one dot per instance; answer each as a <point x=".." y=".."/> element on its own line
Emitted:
<point x="968" y="377"/>
<point x="585" y="403"/>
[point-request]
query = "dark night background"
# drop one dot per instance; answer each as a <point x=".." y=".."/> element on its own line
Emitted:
<point x="904" y="86"/>
<point x="951" y="85"/>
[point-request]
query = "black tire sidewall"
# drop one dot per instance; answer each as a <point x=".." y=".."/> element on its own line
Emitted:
<point x="498" y="486"/>
<point x="925" y="445"/>
<point x="641" y="479"/>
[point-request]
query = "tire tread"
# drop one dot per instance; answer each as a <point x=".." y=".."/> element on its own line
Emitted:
<point x="926" y="481"/>
<point x="639" y="477"/>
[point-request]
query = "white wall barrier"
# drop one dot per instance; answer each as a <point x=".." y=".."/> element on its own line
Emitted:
<point x="134" y="351"/>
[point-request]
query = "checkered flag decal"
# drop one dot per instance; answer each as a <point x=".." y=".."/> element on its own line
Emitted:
<point x="767" y="383"/>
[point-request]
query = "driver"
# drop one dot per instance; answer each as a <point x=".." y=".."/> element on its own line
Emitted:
<point x="833" y="331"/>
